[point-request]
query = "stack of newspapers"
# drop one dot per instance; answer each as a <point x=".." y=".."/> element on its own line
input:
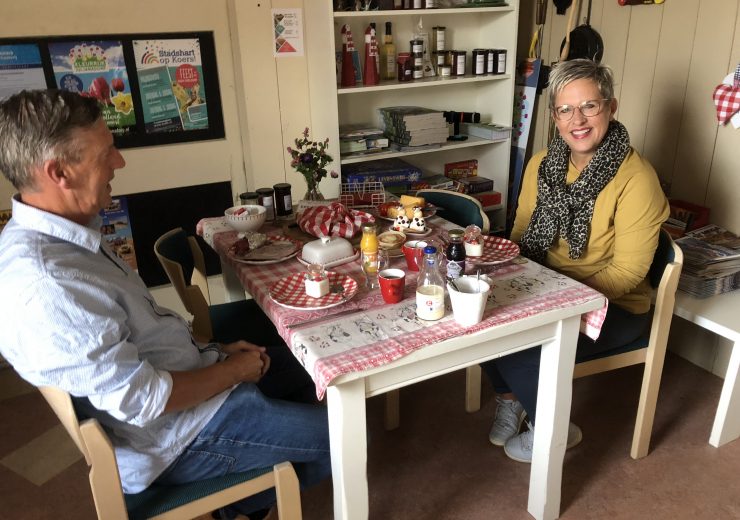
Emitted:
<point x="409" y="126"/>
<point x="711" y="261"/>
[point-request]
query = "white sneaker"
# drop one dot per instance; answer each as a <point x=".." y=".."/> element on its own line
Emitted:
<point x="508" y="420"/>
<point x="519" y="448"/>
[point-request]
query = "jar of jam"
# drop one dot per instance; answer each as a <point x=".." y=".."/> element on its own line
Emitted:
<point x="283" y="200"/>
<point x="267" y="199"/>
<point x="405" y="66"/>
<point x="249" y="197"/>
<point x="455" y="254"/>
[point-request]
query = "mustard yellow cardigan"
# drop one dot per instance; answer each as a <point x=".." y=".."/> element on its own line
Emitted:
<point x="623" y="234"/>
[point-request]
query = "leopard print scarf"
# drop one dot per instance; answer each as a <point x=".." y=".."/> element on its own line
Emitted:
<point x="567" y="210"/>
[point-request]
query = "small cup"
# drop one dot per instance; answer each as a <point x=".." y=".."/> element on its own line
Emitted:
<point x="392" y="284"/>
<point x="469" y="301"/>
<point x="413" y="251"/>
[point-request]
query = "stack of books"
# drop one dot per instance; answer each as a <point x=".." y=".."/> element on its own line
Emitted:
<point x="410" y="126"/>
<point x="361" y="140"/>
<point x="711" y="261"/>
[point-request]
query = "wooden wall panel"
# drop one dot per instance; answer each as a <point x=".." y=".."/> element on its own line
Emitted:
<point x="709" y="64"/>
<point x="669" y="86"/>
<point x="639" y="71"/>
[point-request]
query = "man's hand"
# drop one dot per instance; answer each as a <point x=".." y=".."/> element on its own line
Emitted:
<point x="237" y="347"/>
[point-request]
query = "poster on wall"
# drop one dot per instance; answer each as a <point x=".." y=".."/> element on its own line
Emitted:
<point x="287" y="26"/>
<point x="96" y="69"/>
<point x="116" y="230"/>
<point x="171" y="85"/>
<point x="20" y="69"/>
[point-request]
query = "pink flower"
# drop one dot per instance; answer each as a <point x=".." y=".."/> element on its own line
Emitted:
<point x="334" y="175"/>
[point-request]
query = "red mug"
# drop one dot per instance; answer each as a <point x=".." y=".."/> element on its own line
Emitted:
<point x="392" y="284"/>
<point x="413" y="250"/>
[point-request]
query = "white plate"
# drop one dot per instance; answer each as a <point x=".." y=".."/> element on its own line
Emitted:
<point x="415" y="234"/>
<point x="272" y="238"/>
<point x="335" y="262"/>
<point x="290" y="292"/>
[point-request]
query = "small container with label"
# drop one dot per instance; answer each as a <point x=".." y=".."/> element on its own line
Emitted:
<point x="499" y="61"/>
<point x="438" y="38"/>
<point x="249" y="197"/>
<point x="458" y="63"/>
<point x="455" y="254"/>
<point x="317" y="283"/>
<point x="283" y="200"/>
<point x="480" y="59"/>
<point x="405" y="66"/>
<point x="417" y="55"/>
<point x="267" y="199"/>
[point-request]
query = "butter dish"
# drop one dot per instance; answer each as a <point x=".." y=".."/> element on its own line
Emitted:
<point x="327" y="251"/>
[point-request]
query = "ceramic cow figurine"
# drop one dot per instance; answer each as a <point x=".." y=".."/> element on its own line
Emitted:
<point x="418" y="223"/>
<point x="401" y="223"/>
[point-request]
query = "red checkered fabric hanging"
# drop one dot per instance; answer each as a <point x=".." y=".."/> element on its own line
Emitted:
<point x="334" y="220"/>
<point x="727" y="98"/>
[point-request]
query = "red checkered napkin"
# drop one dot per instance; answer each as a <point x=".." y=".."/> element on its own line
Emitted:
<point x="727" y="98"/>
<point x="290" y="292"/>
<point x="334" y="220"/>
<point x="496" y="250"/>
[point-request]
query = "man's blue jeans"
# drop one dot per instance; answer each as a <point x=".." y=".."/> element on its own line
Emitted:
<point x="252" y="430"/>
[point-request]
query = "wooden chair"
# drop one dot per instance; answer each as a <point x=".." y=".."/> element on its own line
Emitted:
<point x="457" y="208"/>
<point x="649" y="349"/>
<point x="182" y="260"/>
<point x="165" y="502"/>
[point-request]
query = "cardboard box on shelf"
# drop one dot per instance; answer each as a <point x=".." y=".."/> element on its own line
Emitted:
<point x="462" y="169"/>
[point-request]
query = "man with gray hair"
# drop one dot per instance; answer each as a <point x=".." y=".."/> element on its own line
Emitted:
<point x="76" y="317"/>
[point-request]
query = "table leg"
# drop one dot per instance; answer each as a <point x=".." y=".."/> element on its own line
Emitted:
<point x="348" y="437"/>
<point x="232" y="284"/>
<point x="553" y="414"/>
<point x="727" y="420"/>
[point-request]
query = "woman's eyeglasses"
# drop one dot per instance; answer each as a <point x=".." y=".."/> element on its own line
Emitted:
<point x="590" y="108"/>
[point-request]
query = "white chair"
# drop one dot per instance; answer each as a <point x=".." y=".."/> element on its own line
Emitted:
<point x="165" y="502"/>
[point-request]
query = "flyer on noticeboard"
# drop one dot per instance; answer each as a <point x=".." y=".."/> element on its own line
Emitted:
<point x="116" y="230"/>
<point x="97" y="69"/>
<point x="171" y="84"/>
<point x="20" y="69"/>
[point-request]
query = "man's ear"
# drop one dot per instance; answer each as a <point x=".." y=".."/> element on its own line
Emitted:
<point x="53" y="170"/>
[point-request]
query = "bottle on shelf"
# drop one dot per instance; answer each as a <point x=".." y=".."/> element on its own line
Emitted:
<point x="349" y="79"/>
<point x="388" y="54"/>
<point x="370" y="72"/>
<point x="430" y="292"/>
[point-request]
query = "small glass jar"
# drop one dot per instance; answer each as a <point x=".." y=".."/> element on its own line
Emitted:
<point x="405" y="66"/>
<point x="455" y="254"/>
<point x="283" y="200"/>
<point x="267" y="199"/>
<point x="480" y="62"/>
<point x="458" y="63"/>
<point x="438" y="38"/>
<point x="249" y="197"/>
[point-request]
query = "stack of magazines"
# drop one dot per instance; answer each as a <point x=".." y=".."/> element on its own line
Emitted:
<point x="711" y="261"/>
<point x="410" y="127"/>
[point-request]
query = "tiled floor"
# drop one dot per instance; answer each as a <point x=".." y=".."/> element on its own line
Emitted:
<point x="439" y="464"/>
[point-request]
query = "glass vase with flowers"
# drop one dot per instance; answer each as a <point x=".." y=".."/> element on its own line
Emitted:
<point x="309" y="158"/>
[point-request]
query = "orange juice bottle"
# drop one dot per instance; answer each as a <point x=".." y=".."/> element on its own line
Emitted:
<point x="369" y="242"/>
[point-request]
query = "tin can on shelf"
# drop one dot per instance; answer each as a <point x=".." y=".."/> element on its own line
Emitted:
<point x="458" y="63"/>
<point x="283" y="200"/>
<point x="267" y="199"/>
<point x="479" y="62"/>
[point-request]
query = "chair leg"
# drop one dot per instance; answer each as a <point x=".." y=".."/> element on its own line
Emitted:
<point x="392" y="417"/>
<point x="648" y="397"/>
<point x="472" y="388"/>
<point x="288" y="492"/>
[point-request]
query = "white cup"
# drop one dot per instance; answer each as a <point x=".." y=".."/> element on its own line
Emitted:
<point x="469" y="300"/>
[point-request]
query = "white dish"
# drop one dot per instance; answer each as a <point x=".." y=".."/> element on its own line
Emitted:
<point x="334" y="263"/>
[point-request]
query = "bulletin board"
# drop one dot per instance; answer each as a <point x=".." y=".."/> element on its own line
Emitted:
<point x="153" y="88"/>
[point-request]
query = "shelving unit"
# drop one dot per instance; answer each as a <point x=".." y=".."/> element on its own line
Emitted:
<point x="466" y="29"/>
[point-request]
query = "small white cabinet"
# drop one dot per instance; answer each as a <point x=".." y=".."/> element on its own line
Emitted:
<point x="466" y="29"/>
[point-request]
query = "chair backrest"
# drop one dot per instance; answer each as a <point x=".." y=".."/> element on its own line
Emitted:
<point x="458" y="208"/>
<point x="94" y="444"/>
<point x="183" y="262"/>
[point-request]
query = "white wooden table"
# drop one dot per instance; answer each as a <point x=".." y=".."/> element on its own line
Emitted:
<point x="719" y="314"/>
<point x="556" y="331"/>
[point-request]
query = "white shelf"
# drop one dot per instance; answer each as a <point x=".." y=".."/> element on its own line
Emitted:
<point x="450" y="145"/>
<point x="435" y="81"/>
<point x="339" y="15"/>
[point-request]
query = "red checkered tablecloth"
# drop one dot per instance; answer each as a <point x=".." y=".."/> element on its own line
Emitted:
<point x="379" y="333"/>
